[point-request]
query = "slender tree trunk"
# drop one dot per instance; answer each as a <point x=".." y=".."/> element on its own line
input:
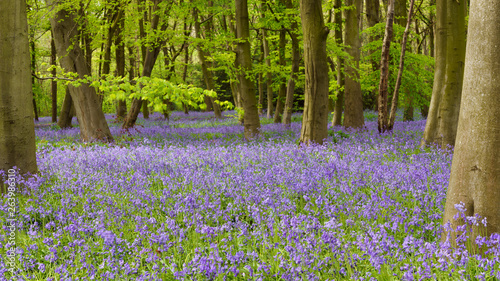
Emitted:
<point x="290" y="88"/>
<point x="121" y="105"/>
<point x="17" y="132"/>
<point x="93" y="125"/>
<point x="33" y="70"/>
<point x="315" y="117"/>
<point x="372" y="9"/>
<point x="280" y="103"/>
<point x="395" y="95"/>
<point x="339" y="102"/>
<point x="247" y="89"/>
<point x="261" y="94"/>
<point x="149" y="63"/>
<point x="475" y="170"/>
<point x="67" y="111"/>
<point x="53" y="83"/>
<point x="207" y="74"/>
<point x="269" y="75"/>
<point x="353" y="115"/>
<point x="384" y="71"/>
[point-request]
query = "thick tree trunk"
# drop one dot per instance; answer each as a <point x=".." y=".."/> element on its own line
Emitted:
<point x="17" y="132"/>
<point x="353" y="114"/>
<point x="315" y="118"/>
<point x="251" y="119"/>
<point x="339" y="102"/>
<point x="384" y="71"/>
<point x="475" y="170"/>
<point x="67" y="111"/>
<point x="441" y="126"/>
<point x="93" y="125"/>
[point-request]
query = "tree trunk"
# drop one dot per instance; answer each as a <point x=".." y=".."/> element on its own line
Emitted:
<point x="392" y="116"/>
<point x="353" y="115"/>
<point x="280" y="103"/>
<point x="121" y="105"/>
<point x="315" y="118"/>
<point x="251" y="119"/>
<point x="149" y="63"/>
<point x="17" y="132"/>
<point x="269" y="75"/>
<point x="93" y="125"/>
<point x="33" y="70"/>
<point x="431" y="126"/>
<point x="441" y="126"/>
<point x="53" y="83"/>
<point x="372" y="9"/>
<point x="475" y="170"/>
<point x="207" y="74"/>
<point x="384" y="71"/>
<point x="67" y="111"/>
<point x="290" y="88"/>
<point x="339" y="102"/>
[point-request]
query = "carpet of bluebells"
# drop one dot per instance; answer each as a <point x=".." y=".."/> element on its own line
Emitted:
<point x="189" y="199"/>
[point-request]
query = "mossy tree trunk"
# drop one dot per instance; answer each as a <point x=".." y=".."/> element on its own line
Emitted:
<point x="315" y="117"/>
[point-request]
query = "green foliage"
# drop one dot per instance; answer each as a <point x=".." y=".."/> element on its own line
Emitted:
<point x="418" y="72"/>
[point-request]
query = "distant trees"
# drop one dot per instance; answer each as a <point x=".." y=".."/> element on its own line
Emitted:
<point x="475" y="171"/>
<point x="17" y="133"/>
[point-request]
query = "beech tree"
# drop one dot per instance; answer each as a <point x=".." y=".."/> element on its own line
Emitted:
<point x="315" y="118"/>
<point x="17" y="129"/>
<point x="353" y="113"/>
<point x="251" y="119"/>
<point x="442" y="120"/>
<point x="93" y="125"/>
<point x="475" y="170"/>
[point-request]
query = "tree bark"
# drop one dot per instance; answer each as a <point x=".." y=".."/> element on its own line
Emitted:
<point x="392" y="116"/>
<point x="280" y="103"/>
<point x="315" y="117"/>
<point x="475" y="170"/>
<point x="53" y="83"/>
<point x="339" y="102"/>
<point x="17" y="130"/>
<point x="149" y="63"/>
<point x="353" y="115"/>
<point x="67" y="111"/>
<point x="93" y="125"/>
<point x="384" y="71"/>
<point x="441" y="126"/>
<point x="290" y="87"/>
<point x="207" y="74"/>
<point x="251" y="119"/>
<point x="121" y="105"/>
<point x="33" y="70"/>
<point x="269" y="75"/>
